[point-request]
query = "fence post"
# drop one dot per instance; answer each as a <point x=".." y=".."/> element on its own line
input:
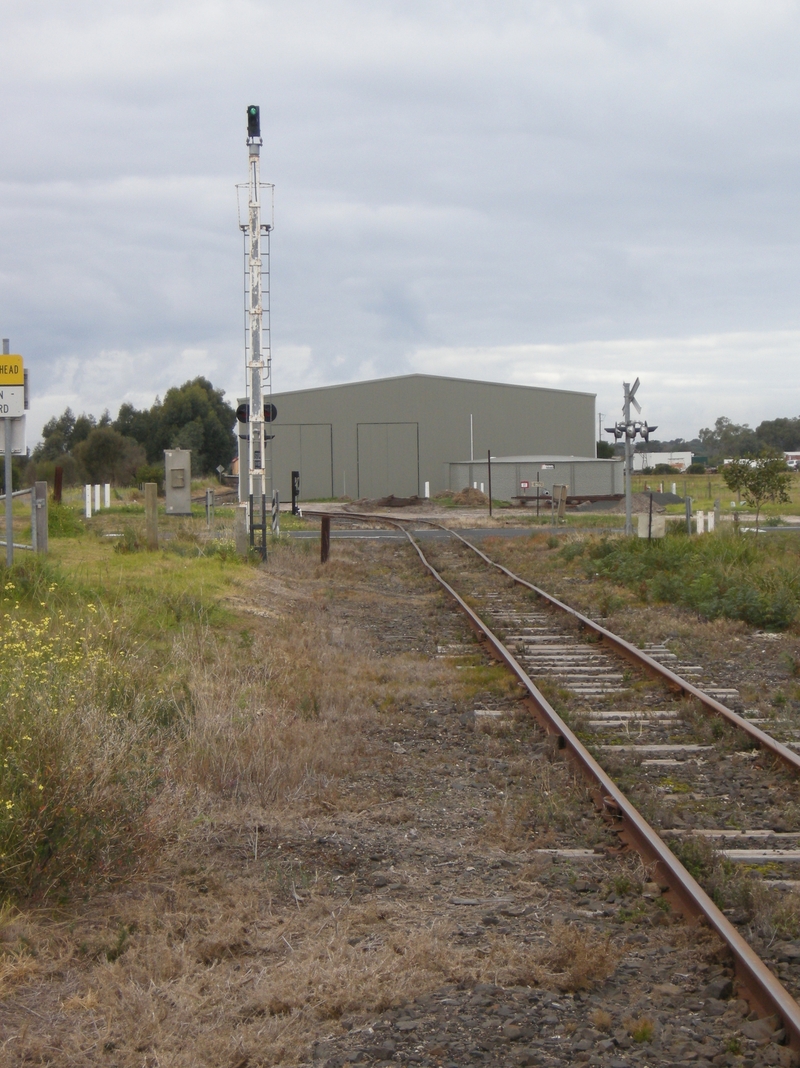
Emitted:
<point x="489" y="478"/>
<point x="325" y="540"/>
<point x="240" y="535"/>
<point x="688" y="515"/>
<point x="151" y="513"/>
<point x="58" y="482"/>
<point x="39" y="516"/>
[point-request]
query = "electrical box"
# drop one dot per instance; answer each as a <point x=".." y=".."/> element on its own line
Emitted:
<point x="178" y="481"/>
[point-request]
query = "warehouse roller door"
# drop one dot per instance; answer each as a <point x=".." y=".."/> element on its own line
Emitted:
<point x="388" y="459"/>
<point x="307" y="448"/>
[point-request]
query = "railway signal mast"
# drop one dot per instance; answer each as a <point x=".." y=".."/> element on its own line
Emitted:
<point x="629" y="429"/>
<point x="257" y="327"/>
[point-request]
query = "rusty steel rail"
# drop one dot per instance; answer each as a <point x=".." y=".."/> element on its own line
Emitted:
<point x="651" y="666"/>
<point x="641" y="659"/>
<point x="756" y="982"/>
<point x="760" y="987"/>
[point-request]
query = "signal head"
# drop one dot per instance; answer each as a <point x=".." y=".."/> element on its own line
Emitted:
<point x="253" y="121"/>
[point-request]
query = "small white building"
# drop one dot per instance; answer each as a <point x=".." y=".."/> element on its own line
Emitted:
<point x="679" y="460"/>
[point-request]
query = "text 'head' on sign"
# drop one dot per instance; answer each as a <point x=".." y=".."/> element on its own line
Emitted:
<point x="12" y="371"/>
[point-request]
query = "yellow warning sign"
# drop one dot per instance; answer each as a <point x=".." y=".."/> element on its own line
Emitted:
<point x="12" y="372"/>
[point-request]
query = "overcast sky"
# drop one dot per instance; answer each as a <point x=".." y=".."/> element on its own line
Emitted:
<point x="557" y="193"/>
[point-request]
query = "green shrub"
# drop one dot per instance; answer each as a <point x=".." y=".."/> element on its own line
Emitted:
<point x="572" y="550"/>
<point x="63" y="521"/>
<point x="150" y="473"/>
<point x="718" y="575"/>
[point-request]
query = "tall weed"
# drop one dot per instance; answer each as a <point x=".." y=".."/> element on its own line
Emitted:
<point x="79" y="745"/>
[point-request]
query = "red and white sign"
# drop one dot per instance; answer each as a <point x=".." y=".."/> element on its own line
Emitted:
<point x="524" y="485"/>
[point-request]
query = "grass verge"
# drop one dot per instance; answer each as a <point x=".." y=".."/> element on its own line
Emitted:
<point x="719" y="575"/>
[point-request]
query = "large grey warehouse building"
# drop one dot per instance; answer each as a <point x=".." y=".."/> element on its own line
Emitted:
<point x="392" y="435"/>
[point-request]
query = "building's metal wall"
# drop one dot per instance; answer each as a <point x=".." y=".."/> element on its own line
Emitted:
<point x="590" y="477"/>
<point x="393" y="435"/>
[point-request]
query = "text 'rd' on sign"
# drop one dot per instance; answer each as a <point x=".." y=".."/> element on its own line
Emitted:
<point x="12" y="402"/>
<point x="12" y="371"/>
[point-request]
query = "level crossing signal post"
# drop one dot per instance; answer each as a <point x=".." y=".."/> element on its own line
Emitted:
<point x="629" y="429"/>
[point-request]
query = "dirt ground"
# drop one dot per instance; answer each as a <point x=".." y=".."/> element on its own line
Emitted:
<point x="400" y="910"/>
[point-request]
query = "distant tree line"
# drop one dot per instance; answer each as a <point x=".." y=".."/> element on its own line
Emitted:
<point x="131" y="447"/>
<point x="727" y="440"/>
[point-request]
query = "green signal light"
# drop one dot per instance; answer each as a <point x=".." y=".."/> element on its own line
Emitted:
<point x="253" y="121"/>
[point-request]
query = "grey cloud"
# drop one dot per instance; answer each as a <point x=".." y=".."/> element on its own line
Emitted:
<point x="448" y="175"/>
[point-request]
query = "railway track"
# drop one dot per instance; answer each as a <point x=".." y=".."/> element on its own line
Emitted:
<point x="651" y="739"/>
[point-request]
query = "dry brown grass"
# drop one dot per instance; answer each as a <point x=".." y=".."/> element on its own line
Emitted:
<point x="640" y="1028"/>
<point x="470" y="497"/>
<point x="576" y="959"/>
<point x="237" y="939"/>
<point x="254" y="981"/>
<point x="289" y="710"/>
<point x="554" y="800"/>
<point x="602" y="1019"/>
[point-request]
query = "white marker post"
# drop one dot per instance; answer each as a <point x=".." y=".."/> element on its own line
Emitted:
<point x="107" y="495"/>
<point x="87" y="504"/>
<point x="97" y="498"/>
